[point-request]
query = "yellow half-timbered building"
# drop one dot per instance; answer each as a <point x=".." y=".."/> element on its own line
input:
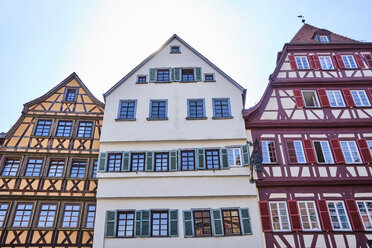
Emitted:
<point x="48" y="170"/>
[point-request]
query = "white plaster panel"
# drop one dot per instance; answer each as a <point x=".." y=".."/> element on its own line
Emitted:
<point x="272" y="104"/>
<point x="287" y="103"/>
<point x="310" y="115"/>
<point x="319" y="113"/>
<point x="302" y="74"/>
<point x="336" y="113"/>
<point x="277" y="196"/>
<point x="292" y="135"/>
<point x="349" y="73"/>
<point x="351" y="170"/>
<point x="362" y="171"/>
<point x="368" y="111"/>
<point x="333" y="171"/>
<point x="294" y="171"/>
<point x="298" y="115"/>
<point x="362" y="114"/>
<point x="268" y="135"/>
<point x="367" y="73"/>
<point x="363" y="195"/>
<point x="318" y="136"/>
<point x="304" y="195"/>
<point x="358" y="74"/>
<point x="317" y="74"/>
<point x="292" y="74"/>
<point x="332" y="195"/>
<point x="286" y="66"/>
<point x="323" y="172"/>
<point x="282" y="93"/>
<point x="277" y="171"/>
<point x="346" y="135"/>
<point x="367" y="134"/>
<point x="305" y="172"/>
<point x="272" y="115"/>
<point x="326" y="75"/>
<point x="345" y="115"/>
<point x="281" y="74"/>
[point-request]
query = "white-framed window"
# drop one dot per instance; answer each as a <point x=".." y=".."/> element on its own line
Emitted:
<point x="323" y="152"/>
<point x="337" y="211"/>
<point x="234" y="155"/>
<point x="323" y="39"/>
<point x="349" y="61"/>
<point x="369" y="142"/>
<point x="302" y="63"/>
<point x="350" y="152"/>
<point x="365" y="210"/>
<point x="326" y="63"/>
<point x="279" y="216"/>
<point x="360" y="98"/>
<point x="335" y="98"/>
<point x="309" y="216"/>
<point x="268" y="152"/>
<point x="310" y="98"/>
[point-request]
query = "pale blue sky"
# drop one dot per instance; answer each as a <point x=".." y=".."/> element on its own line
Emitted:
<point x="43" y="41"/>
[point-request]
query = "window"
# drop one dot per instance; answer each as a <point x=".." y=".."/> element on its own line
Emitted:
<point x="175" y="49"/>
<point x="196" y="108"/>
<point x="369" y="142"/>
<point x="338" y="215"/>
<point x="349" y="61"/>
<point x="127" y="109"/>
<point x="221" y="108"/>
<point x="268" y="152"/>
<point x="70" y="95"/>
<point x="231" y="222"/>
<point x="47" y="215"/>
<point x="94" y="172"/>
<point x="208" y="77"/>
<point x="202" y="223"/>
<point x="187" y="160"/>
<point x="33" y="167"/>
<point x="78" y="169"/>
<point x="85" y="129"/>
<point x="350" y="151"/>
<point x="22" y="215"/>
<point x="234" y="156"/>
<point x="310" y="98"/>
<point x="309" y="216"/>
<point x="56" y="169"/>
<point x="302" y="62"/>
<point x="125" y="224"/>
<point x="141" y="79"/>
<point x="323" y="152"/>
<point x="187" y="75"/>
<point x="161" y="161"/>
<point x="158" y="109"/>
<point x="43" y="127"/>
<point x="163" y="75"/>
<point x="365" y="210"/>
<point x="10" y="167"/>
<point x="64" y="129"/>
<point x="279" y="216"/>
<point x="360" y="98"/>
<point x="326" y="63"/>
<point x="71" y="215"/>
<point x="296" y="151"/>
<point x="335" y="98"/>
<point x="114" y="162"/>
<point x="3" y="211"/>
<point x="138" y="161"/>
<point x="212" y="158"/>
<point x="159" y="224"/>
<point x="91" y="216"/>
<point x="323" y="39"/>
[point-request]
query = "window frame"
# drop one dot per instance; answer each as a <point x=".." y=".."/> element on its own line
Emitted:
<point x="87" y="215"/>
<point x="85" y="127"/>
<point x="338" y="216"/>
<point x="308" y="216"/>
<point x="268" y="152"/>
<point x="19" y="163"/>
<point x="233" y="149"/>
<point x="161" y="167"/>
<point x="229" y="116"/>
<point x="115" y="164"/>
<point x="213" y="160"/>
<point x="163" y="70"/>
<point x="131" y="161"/>
<point x="42" y="134"/>
<point x="324" y="41"/>
<point x="71" y="128"/>
<point x="5" y="216"/>
<point x="48" y="210"/>
<point x="188" y="70"/>
<point x="33" y="169"/>
<point x="321" y="146"/>
<point x="188" y="160"/>
<point x="318" y="105"/>
<point x="369" y="144"/>
<point x="279" y="216"/>
<point x="209" y="74"/>
<point x="369" y="215"/>
<point x="67" y="89"/>
<point x="223" y="221"/>
<point x="94" y="169"/>
<point x="79" y="165"/>
<point x="152" y="212"/>
<point x="189" y="101"/>
<point x="359" y="98"/>
<point x="141" y="76"/>
<point x="171" y="51"/>
<point x="202" y="218"/>
<point x="166" y="109"/>
<point x="134" y="109"/>
<point x="349" y="150"/>
<point x="323" y="60"/>
<point x="63" y="166"/>
<point x="70" y="220"/>
<point x="347" y="62"/>
<point x="30" y="220"/>
<point x="329" y="92"/>
<point x="301" y="65"/>
<point x="126" y="212"/>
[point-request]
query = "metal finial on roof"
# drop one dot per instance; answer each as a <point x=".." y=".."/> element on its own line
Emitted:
<point x="302" y="18"/>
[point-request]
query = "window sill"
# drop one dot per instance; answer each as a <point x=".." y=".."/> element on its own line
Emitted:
<point x="129" y="119"/>
<point x="209" y="81"/>
<point x="196" y="118"/>
<point x="142" y="83"/>
<point x="174" y="52"/>
<point x="157" y="119"/>
<point x="187" y="81"/>
<point x="162" y="82"/>
<point x="76" y="178"/>
<point x="54" y="178"/>
<point x="222" y="118"/>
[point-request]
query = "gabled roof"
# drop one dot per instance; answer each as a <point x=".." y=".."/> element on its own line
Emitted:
<point x="157" y="51"/>
<point x="59" y="86"/>
<point x="307" y="33"/>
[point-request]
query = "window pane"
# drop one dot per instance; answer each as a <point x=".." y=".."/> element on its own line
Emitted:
<point x="161" y="161"/>
<point x="212" y="159"/>
<point x="43" y="127"/>
<point x="47" y="215"/>
<point x="85" y="129"/>
<point x="138" y="161"/>
<point x="196" y="108"/>
<point x="221" y="108"/>
<point x="71" y="215"/>
<point x="159" y="224"/>
<point x="22" y="215"/>
<point x="158" y="109"/>
<point x="91" y="215"/>
<point x="187" y="160"/>
<point x="114" y="162"/>
<point x="33" y="167"/>
<point x="231" y="222"/>
<point x="127" y="109"/>
<point x="10" y="167"/>
<point x="56" y="169"/>
<point x="78" y="169"/>
<point x="64" y="128"/>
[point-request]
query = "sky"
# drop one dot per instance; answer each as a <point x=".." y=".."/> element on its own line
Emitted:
<point x="42" y="41"/>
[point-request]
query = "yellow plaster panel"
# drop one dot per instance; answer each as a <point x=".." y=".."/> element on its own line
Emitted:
<point x="73" y="83"/>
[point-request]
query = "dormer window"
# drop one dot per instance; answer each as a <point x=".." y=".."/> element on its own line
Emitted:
<point x="175" y="49"/>
<point x="70" y="95"/>
<point x="323" y="39"/>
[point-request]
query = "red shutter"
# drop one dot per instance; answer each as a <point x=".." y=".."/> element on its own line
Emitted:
<point x="337" y="151"/>
<point x="317" y="62"/>
<point x="340" y="62"/>
<point x="348" y="98"/>
<point x="325" y="218"/>
<point x="292" y="61"/>
<point x="310" y="154"/>
<point x="364" y="150"/>
<point x="323" y="97"/>
<point x="369" y="59"/>
<point x="311" y="61"/>
<point x="298" y="98"/>
<point x="355" y="219"/>
<point x="359" y="60"/>
<point x="294" y="215"/>
<point x="369" y="91"/>
<point x="335" y="64"/>
<point x="265" y="216"/>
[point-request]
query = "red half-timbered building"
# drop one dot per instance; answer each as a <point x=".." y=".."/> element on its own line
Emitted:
<point x="48" y="168"/>
<point x="314" y="128"/>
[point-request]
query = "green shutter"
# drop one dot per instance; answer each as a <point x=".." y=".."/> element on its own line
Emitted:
<point x="177" y="74"/>
<point x="145" y="223"/>
<point x="224" y="158"/>
<point x="102" y="161"/>
<point x="245" y="221"/>
<point x="173" y="222"/>
<point x="200" y="158"/>
<point x="110" y="224"/>
<point x="245" y="155"/>
<point x="188" y="223"/>
<point x="137" y="224"/>
<point x="198" y="74"/>
<point x="149" y="166"/>
<point x="173" y="160"/>
<point x="152" y="75"/>
<point x="217" y="222"/>
<point x="172" y="71"/>
<point x="125" y="162"/>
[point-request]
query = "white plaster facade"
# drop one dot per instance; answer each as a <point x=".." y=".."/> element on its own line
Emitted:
<point x="182" y="190"/>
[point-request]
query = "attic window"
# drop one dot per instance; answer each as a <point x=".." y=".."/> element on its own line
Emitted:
<point x="175" y="49"/>
<point x="70" y="95"/>
<point x="323" y="39"/>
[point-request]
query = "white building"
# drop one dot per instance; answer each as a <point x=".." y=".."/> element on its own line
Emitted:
<point x="173" y="166"/>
